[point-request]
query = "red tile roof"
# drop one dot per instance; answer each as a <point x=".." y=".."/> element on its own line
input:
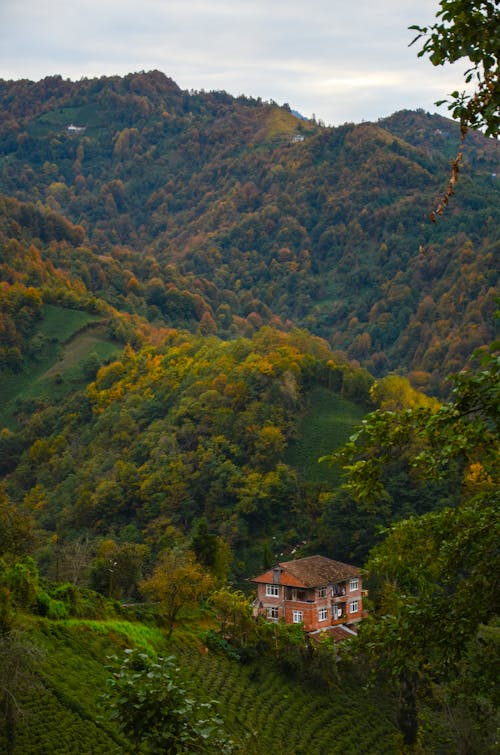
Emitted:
<point x="312" y="571"/>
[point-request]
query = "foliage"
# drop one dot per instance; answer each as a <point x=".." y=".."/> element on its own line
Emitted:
<point x="470" y="30"/>
<point x="16" y="528"/>
<point x="194" y="211"/>
<point x="270" y="710"/>
<point x="177" y="581"/>
<point x="118" y="568"/>
<point x="17" y="680"/>
<point x="234" y="615"/>
<point x="463" y="431"/>
<point x="435" y="575"/>
<point x="155" y="710"/>
<point x="188" y="434"/>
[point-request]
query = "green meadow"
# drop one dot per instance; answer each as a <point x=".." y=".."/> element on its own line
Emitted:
<point x="66" y="338"/>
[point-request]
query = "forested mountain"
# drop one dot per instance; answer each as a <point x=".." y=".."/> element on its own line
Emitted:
<point x="201" y="295"/>
<point x="208" y="212"/>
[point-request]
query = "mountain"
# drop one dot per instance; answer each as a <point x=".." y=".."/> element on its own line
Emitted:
<point x="223" y="214"/>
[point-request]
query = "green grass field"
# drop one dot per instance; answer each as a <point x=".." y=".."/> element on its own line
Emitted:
<point x="60" y="118"/>
<point x="69" y="337"/>
<point x="327" y="423"/>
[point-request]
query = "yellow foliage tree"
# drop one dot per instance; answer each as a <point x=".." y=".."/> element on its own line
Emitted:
<point x="177" y="581"/>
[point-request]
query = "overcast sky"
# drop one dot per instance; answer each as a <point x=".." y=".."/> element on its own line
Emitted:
<point x="342" y="60"/>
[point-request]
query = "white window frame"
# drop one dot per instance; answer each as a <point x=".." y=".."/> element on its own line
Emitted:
<point x="323" y="614"/>
<point x="354" y="606"/>
<point x="272" y="613"/>
<point x="354" y="584"/>
<point x="321" y="592"/>
<point x="298" y="617"/>
<point x="272" y="591"/>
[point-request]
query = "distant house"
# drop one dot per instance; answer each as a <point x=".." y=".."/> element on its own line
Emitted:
<point x="317" y="592"/>
<point x="298" y="138"/>
<point x="71" y="129"/>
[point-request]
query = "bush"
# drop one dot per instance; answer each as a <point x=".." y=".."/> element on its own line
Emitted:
<point x="52" y="609"/>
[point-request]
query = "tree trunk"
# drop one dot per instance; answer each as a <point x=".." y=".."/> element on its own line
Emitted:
<point x="407" y="712"/>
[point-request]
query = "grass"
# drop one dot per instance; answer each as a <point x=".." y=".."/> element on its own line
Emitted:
<point x="327" y="423"/>
<point x="280" y="123"/>
<point x="68" y="337"/>
<point x="60" y="118"/>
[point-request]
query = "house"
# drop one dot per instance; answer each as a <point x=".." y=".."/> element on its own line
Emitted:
<point x="315" y="591"/>
<point x="72" y="129"/>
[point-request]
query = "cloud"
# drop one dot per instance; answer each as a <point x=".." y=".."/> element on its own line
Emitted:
<point x="341" y="60"/>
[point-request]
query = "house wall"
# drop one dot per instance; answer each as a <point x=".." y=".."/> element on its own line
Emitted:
<point x="311" y="608"/>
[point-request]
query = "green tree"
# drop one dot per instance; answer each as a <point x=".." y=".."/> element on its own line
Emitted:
<point x="155" y="709"/>
<point x="234" y="614"/>
<point x="468" y="29"/>
<point x="16" y="528"/>
<point x="434" y="576"/>
<point x="118" y="568"/>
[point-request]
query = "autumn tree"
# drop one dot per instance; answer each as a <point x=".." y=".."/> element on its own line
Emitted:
<point x="177" y="582"/>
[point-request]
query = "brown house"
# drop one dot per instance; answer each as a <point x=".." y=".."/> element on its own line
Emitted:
<point x="316" y="591"/>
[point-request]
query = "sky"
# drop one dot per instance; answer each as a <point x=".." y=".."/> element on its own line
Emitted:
<point x="339" y="60"/>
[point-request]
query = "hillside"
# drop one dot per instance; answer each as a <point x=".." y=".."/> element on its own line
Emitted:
<point x="213" y="216"/>
<point x="201" y="295"/>
<point x="262" y="708"/>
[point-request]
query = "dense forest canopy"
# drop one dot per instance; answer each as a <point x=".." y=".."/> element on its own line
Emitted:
<point x="204" y="211"/>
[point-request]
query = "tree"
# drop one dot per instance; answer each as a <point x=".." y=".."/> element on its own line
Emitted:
<point x="16" y="528"/>
<point x="234" y="613"/>
<point x="118" y="568"/>
<point x="155" y="709"/>
<point x="435" y="575"/>
<point x="211" y="550"/>
<point x="468" y="29"/>
<point x="18" y="587"/>
<point x="177" y="581"/>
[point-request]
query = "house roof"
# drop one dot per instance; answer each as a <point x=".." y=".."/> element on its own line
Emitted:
<point x="337" y="633"/>
<point x="312" y="571"/>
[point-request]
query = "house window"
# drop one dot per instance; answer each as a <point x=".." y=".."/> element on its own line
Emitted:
<point x="322" y="592"/>
<point x="272" y="613"/>
<point x="272" y="591"/>
<point x="298" y="617"/>
<point x="353" y="584"/>
<point x="322" y="614"/>
<point x="353" y="608"/>
<point x="338" y="612"/>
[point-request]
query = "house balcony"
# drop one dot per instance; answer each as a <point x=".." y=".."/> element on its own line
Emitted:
<point x="339" y="598"/>
<point x="339" y="620"/>
<point x="293" y="595"/>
